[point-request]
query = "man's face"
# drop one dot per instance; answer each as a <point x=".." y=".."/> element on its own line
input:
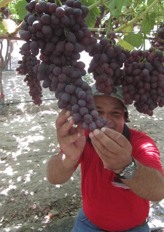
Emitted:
<point x="112" y="109"/>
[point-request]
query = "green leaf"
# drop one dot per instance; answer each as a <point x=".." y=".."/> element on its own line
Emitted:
<point x="20" y="9"/>
<point x="3" y="29"/>
<point x="125" y="44"/>
<point x="13" y="11"/>
<point x="116" y="6"/>
<point x="92" y="17"/>
<point x="149" y="2"/>
<point x="127" y="29"/>
<point x="148" y="23"/>
<point x="134" y="39"/>
<point x="94" y="11"/>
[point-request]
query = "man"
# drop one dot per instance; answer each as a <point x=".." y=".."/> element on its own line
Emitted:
<point x="120" y="167"/>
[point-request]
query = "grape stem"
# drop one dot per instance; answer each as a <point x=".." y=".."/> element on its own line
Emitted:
<point x="9" y="37"/>
<point x="99" y="2"/>
<point x="12" y="36"/>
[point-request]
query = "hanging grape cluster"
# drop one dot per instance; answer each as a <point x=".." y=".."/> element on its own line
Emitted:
<point x="107" y="65"/>
<point x="26" y="68"/>
<point x="57" y="34"/>
<point x="143" y="81"/>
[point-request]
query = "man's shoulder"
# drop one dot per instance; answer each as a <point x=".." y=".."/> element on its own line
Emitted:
<point x="137" y="135"/>
<point x="136" y="132"/>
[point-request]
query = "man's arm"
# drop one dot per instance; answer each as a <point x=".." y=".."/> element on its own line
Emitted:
<point x="60" y="169"/>
<point x="147" y="182"/>
<point x="72" y="141"/>
<point x="115" y="152"/>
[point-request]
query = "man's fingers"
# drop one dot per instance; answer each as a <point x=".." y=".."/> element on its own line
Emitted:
<point x="115" y="136"/>
<point x="102" y="140"/>
<point x="70" y="139"/>
<point x="80" y="130"/>
<point x="62" y="118"/>
<point x="105" y="148"/>
<point x="64" y="129"/>
<point x="99" y="147"/>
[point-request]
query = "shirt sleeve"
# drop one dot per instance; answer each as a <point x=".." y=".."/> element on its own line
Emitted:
<point x="146" y="151"/>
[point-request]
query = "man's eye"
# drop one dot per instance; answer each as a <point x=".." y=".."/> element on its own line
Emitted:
<point x="117" y="113"/>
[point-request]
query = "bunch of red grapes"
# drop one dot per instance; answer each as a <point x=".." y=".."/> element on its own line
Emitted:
<point x="58" y="34"/>
<point x="54" y="38"/>
<point x="143" y="81"/>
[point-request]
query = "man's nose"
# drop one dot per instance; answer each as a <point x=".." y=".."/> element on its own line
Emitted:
<point x="110" y="124"/>
<point x="110" y="121"/>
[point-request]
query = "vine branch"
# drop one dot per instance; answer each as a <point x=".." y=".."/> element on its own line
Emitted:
<point x="95" y="4"/>
<point x="131" y="22"/>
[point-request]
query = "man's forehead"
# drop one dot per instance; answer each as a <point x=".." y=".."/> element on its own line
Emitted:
<point x="113" y="107"/>
<point x="111" y="101"/>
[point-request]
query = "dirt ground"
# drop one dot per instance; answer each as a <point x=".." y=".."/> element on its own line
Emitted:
<point x="27" y="137"/>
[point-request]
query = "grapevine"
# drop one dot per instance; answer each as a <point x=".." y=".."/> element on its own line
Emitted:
<point x="55" y="35"/>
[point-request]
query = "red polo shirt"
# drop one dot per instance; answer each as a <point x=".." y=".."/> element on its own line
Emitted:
<point x="113" y="208"/>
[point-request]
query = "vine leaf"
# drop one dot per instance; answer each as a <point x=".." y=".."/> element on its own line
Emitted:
<point x="116" y="6"/>
<point x="20" y="8"/>
<point x="92" y="16"/>
<point x="127" y="29"/>
<point x="134" y="39"/>
<point x="3" y="29"/>
<point x="125" y="44"/>
<point x="148" y="23"/>
<point x="150" y="2"/>
<point x="94" y="12"/>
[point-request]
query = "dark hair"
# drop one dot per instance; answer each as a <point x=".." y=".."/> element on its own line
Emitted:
<point x="127" y="116"/>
